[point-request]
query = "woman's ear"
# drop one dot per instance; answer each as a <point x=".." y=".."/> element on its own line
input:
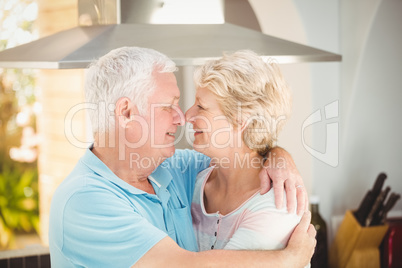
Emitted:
<point x="125" y="111"/>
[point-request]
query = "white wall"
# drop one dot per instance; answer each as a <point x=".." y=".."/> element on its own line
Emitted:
<point x="367" y="85"/>
<point x="372" y="127"/>
<point x="370" y="92"/>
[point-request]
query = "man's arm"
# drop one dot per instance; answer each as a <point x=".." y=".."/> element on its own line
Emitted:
<point x="99" y="227"/>
<point x="280" y="168"/>
<point x="297" y="254"/>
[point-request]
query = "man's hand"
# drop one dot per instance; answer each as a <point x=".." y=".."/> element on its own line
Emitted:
<point x="280" y="168"/>
<point x="302" y="242"/>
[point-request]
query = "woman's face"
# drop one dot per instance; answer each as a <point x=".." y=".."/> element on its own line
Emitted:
<point x="213" y="134"/>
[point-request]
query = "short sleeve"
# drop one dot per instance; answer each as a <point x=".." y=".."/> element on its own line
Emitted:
<point x="264" y="227"/>
<point x="103" y="230"/>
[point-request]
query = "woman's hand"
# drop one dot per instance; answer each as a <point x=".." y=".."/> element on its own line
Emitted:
<point x="281" y="170"/>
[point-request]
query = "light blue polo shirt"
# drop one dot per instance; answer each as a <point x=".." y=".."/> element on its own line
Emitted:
<point x="99" y="220"/>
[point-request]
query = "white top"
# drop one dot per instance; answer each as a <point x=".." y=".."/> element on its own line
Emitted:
<point x="255" y="225"/>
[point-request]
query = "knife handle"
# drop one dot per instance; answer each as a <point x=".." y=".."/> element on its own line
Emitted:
<point x="388" y="206"/>
<point x="364" y="209"/>
<point x="374" y="216"/>
<point x="379" y="182"/>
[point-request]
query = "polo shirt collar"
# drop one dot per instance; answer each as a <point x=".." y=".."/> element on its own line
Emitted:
<point x="97" y="166"/>
<point x="162" y="176"/>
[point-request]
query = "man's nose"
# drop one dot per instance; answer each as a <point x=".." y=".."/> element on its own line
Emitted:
<point x="179" y="117"/>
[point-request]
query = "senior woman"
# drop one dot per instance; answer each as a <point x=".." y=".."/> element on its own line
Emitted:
<point x="242" y="102"/>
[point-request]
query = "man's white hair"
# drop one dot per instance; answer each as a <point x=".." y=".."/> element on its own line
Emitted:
<point x="123" y="72"/>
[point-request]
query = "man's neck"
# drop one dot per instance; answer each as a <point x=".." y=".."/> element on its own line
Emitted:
<point x="134" y="175"/>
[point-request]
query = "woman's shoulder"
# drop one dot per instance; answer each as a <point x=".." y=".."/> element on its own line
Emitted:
<point x="266" y="202"/>
<point x="202" y="176"/>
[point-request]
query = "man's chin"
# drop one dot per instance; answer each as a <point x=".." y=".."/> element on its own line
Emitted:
<point x="168" y="152"/>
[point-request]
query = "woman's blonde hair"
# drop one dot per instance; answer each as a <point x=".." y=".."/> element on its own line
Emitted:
<point x="251" y="93"/>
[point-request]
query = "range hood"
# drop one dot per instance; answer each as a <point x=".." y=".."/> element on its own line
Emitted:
<point x="190" y="32"/>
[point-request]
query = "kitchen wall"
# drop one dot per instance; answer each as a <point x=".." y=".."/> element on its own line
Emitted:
<point x="372" y="90"/>
<point x="354" y="124"/>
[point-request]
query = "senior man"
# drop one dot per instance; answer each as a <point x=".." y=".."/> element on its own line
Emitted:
<point x="127" y="202"/>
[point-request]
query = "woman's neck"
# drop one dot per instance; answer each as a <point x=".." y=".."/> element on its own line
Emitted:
<point x="232" y="182"/>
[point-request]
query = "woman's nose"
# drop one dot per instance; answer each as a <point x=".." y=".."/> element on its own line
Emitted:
<point x="179" y="118"/>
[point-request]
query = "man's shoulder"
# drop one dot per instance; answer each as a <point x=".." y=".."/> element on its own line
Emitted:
<point x="81" y="179"/>
<point x="80" y="176"/>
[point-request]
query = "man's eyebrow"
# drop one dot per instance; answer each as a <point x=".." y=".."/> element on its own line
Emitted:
<point x="174" y="99"/>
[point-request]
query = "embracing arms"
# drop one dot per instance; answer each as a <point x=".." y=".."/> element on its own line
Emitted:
<point x="297" y="254"/>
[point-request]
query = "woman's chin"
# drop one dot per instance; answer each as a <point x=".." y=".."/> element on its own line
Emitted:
<point x="200" y="147"/>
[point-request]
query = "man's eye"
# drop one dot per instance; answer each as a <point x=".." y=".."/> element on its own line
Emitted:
<point x="168" y="107"/>
<point x="200" y="107"/>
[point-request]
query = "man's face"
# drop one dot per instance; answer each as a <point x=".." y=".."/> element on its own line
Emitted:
<point x="164" y="115"/>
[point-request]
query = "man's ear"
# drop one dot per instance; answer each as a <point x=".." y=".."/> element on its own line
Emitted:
<point x="125" y="111"/>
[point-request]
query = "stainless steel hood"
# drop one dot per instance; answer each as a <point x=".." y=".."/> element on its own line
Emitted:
<point x="116" y="23"/>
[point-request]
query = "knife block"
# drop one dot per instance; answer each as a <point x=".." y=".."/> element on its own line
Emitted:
<point x="356" y="246"/>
